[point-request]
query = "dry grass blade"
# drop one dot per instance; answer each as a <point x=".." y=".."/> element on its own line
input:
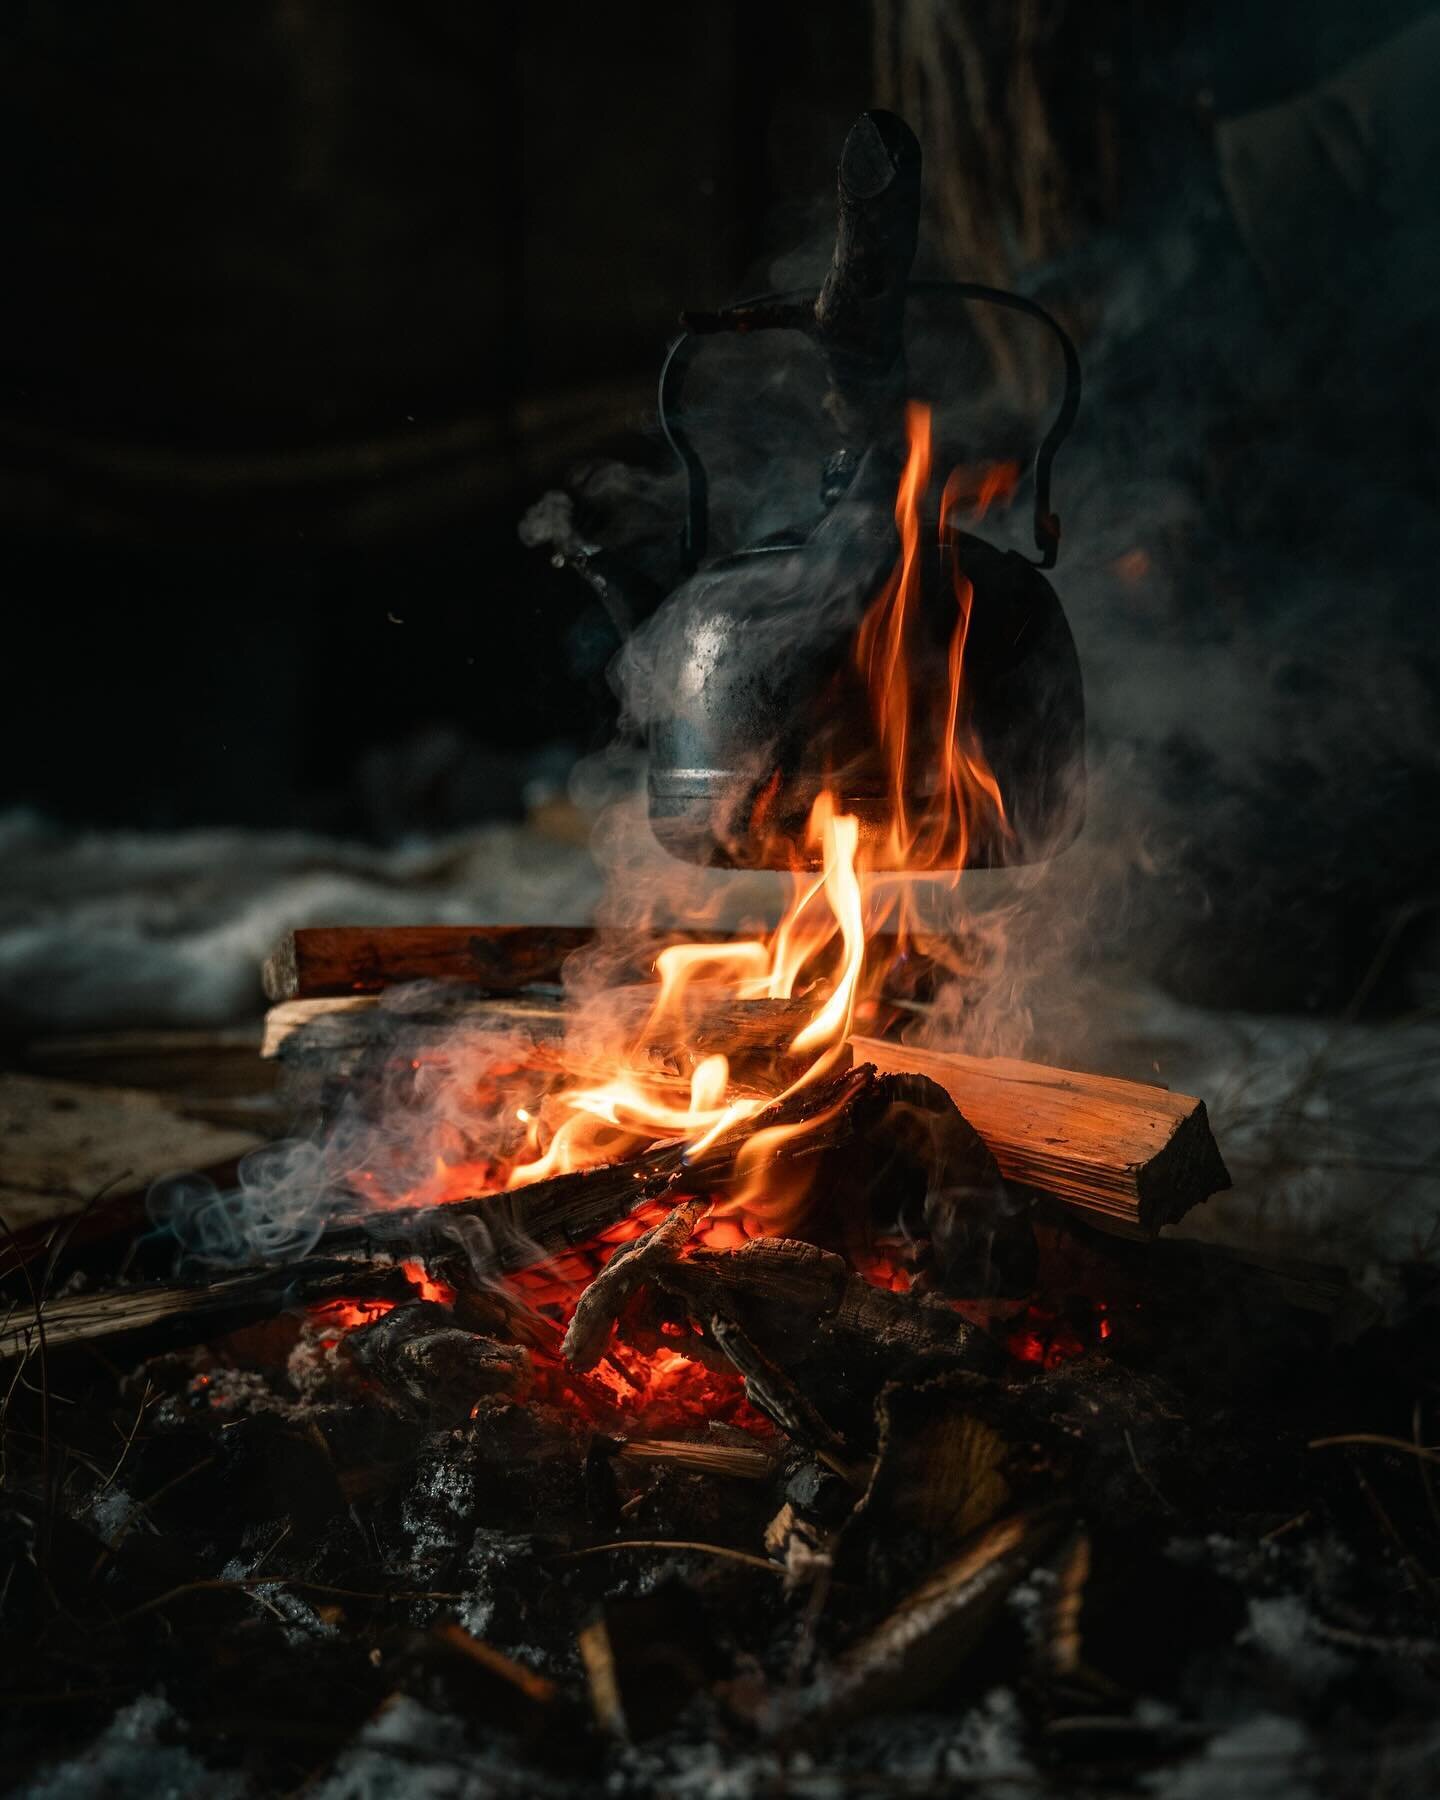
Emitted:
<point x="1379" y="1440"/>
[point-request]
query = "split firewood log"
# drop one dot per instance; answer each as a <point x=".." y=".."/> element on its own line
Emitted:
<point x="1131" y="1158"/>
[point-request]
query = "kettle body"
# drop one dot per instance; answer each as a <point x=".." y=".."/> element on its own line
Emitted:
<point x="759" y="700"/>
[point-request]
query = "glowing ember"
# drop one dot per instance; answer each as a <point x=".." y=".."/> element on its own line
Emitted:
<point x="345" y="1315"/>
<point x="425" y="1287"/>
<point x="663" y="1388"/>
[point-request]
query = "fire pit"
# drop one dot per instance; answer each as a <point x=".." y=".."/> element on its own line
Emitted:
<point x="646" y="1363"/>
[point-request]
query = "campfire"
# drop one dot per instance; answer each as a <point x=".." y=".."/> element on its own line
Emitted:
<point x="655" y="1340"/>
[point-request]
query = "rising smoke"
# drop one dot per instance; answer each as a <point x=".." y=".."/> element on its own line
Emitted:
<point x="1250" y="539"/>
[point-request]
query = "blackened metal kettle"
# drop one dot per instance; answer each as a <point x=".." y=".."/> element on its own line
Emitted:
<point x="759" y="699"/>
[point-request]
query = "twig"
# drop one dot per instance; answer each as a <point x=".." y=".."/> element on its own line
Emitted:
<point x="1419" y="1574"/>
<point x="742" y="1556"/>
<point x="1270" y="1537"/>
<point x="130" y="1439"/>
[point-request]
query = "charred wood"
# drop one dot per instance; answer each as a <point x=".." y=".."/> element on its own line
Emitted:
<point x="600" y="1305"/>
<point x="435" y="1368"/>
<point x="837" y="1337"/>
<point x="777" y="1395"/>
<point x="524" y="1225"/>
<point x="166" y="1314"/>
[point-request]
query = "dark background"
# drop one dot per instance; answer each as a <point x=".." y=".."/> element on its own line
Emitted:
<point x="306" y="303"/>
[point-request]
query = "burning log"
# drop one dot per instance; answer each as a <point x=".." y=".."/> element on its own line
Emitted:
<point x="336" y="961"/>
<point x="499" y="1233"/>
<point x="172" y="1313"/>
<point x="334" y="1041"/>
<point x="1130" y="1158"/>
<point x="1125" y="1156"/>
<point x="524" y="1225"/>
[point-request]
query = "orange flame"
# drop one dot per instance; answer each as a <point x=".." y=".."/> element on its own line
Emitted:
<point x="645" y="1075"/>
<point x="925" y="745"/>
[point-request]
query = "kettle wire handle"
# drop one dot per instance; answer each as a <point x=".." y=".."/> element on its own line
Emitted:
<point x="796" y="312"/>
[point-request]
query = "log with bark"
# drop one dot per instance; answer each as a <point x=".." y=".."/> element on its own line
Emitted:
<point x="335" y="1038"/>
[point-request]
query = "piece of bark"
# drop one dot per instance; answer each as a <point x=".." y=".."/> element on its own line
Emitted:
<point x="167" y="1314"/>
<point x="64" y="1142"/>
<point x="742" y="1462"/>
<point x="919" y="1646"/>
<point x="1131" y="1158"/>
<point x="604" y="1299"/>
